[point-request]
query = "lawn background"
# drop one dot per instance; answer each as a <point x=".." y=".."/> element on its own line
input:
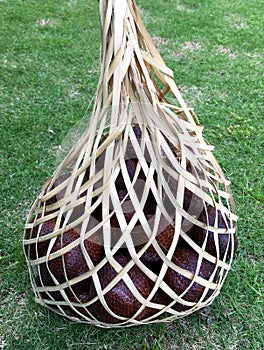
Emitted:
<point x="49" y="66"/>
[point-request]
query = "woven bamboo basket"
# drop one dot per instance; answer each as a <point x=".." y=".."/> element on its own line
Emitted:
<point x="137" y="224"/>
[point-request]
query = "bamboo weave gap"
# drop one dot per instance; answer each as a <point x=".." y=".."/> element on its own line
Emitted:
<point x="137" y="225"/>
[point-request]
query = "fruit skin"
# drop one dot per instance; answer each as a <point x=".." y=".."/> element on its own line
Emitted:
<point x="74" y="260"/>
<point x="128" y="210"/>
<point x="131" y="165"/>
<point x="137" y="131"/>
<point x="120" y="299"/>
<point x="77" y="210"/>
<point x="44" y="279"/>
<point x="199" y="234"/>
<point x="186" y="258"/>
<point x="192" y="203"/>
<point x="76" y="294"/>
<point x="39" y="249"/>
<point x="165" y="233"/>
<point x="164" y="237"/>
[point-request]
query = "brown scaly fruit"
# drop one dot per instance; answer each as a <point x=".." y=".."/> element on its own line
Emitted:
<point x="131" y="165"/>
<point x="43" y="279"/>
<point x="192" y="203"/>
<point x="187" y="259"/>
<point x="164" y="237"/>
<point x="165" y="233"/>
<point x="39" y="249"/>
<point x="77" y="293"/>
<point x="120" y="299"/>
<point x="78" y="210"/>
<point x="128" y="210"/>
<point x="224" y="239"/>
<point x="74" y="260"/>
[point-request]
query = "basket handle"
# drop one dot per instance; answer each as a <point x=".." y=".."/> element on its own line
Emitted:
<point x="121" y="22"/>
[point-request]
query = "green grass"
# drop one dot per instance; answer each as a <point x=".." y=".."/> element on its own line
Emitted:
<point x="48" y="78"/>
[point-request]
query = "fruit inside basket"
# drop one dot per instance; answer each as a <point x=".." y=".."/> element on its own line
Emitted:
<point x="137" y="224"/>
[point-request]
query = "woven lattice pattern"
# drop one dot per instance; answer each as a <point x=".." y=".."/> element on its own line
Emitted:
<point x="137" y="224"/>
